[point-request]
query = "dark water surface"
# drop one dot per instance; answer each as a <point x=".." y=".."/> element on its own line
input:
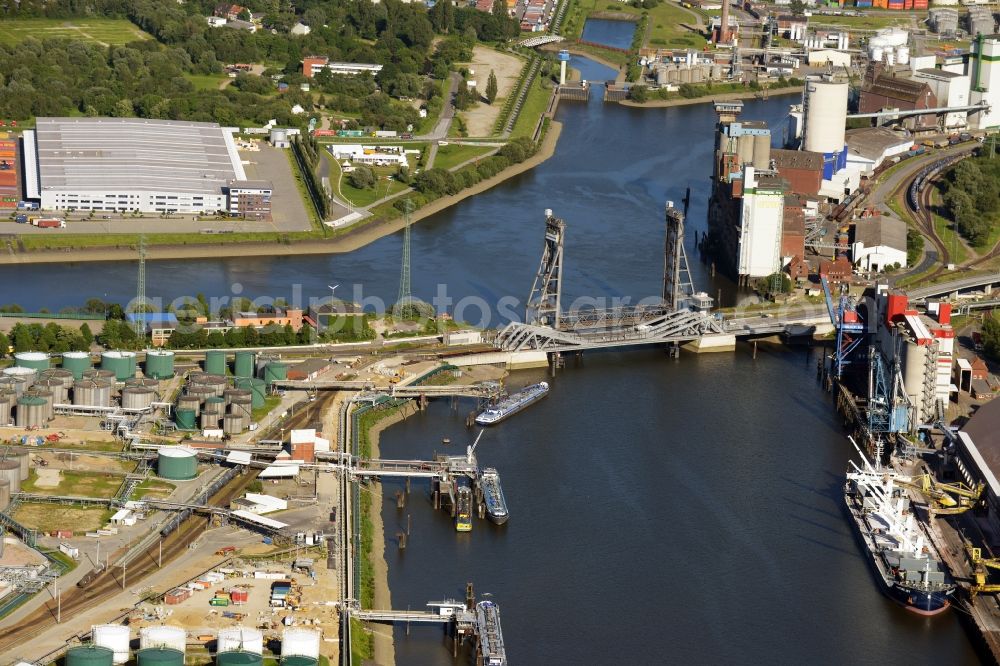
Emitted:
<point x="617" y="34"/>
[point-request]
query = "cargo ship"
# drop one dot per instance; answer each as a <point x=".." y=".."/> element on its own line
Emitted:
<point x="496" y="504"/>
<point x="490" y="637"/>
<point x="463" y="505"/>
<point x="906" y="565"/>
<point x="513" y="403"/>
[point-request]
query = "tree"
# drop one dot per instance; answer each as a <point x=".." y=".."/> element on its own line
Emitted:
<point x="991" y="336"/>
<point x="638" y="94"/>
<point x="4" y="344"/>
<point x="362" y="178"/>
<point x="797" y="7"/>
<point x="491" y="87"/>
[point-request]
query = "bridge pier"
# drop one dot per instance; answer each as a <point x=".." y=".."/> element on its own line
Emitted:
<point x="714" y="342"/>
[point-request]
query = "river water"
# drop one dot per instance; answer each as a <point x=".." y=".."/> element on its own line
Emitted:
<point x="680" y="510"/>
<point x="617" y="34"/>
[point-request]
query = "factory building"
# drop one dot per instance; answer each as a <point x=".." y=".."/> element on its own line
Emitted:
<point x="802" y="169"/>
<point x="868" y="147"/>
<point x="878" y="242"/>
<point x="883" y="92"/>
<point x="313" y="65"/>
<point x="132" y="165"/>
<point x="984" y="74"/>
<point x="950" y="89"/>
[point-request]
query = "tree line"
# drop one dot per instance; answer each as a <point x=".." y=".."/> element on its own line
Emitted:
<point x="972" y="197"/>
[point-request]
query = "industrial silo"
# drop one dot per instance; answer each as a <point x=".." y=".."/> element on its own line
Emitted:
<point x="300" y="643"/>
<point x="825" y="115"/>
<point x="23" y="460"/>
<point x="232" y="424"/>
<point x="27" y="375"/>
<point x="215" y="362"/>
<point x="4" y="496"/>
<point x="146" y="382"/>
<point x="159" y="364"/>
<point x="137" y="397"/>
<point x="214" y="406"/>
<point x="273" y="372"/>
<point x="244" y="364"/>
<point x="92" y="393"/>
<point x="31" y="412"/>
<point x="37" y="361"/>
<point x="186" y="419"/>
<point x="257" y="390"/>
<point x="76" y="362"/>
<point x="65" y="376"/>
<point x="178" y="463"/>
<point x="163" y="637"/>
<point x="242" y="406"/>
<point x="44" y="394"/>
<point x="231" y="393"/>
<point x="6" y="409"/>
<point x="240" y="639"/>
<point x="217" y="383"/>
<point x="160" y="657"/>
<point x="89" y="655"/>
<point x="122" y="363"/>
<point x="98" y="373"/>
<point x="189" y="402"/>
<point x="200" y="391"/>
<point x="209" y="421"/>
<point x="115" y="637"/>
<point x="55" y="386"/>
<point x="762" y="152"/>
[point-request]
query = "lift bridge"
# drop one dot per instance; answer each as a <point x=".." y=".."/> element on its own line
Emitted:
<point x="679" y="315"/>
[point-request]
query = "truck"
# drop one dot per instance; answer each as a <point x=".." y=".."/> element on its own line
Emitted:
<point x="384" y="134"/>
<point x="226" y="550"/>
<point x="49" y="223"/>
<point x="21" y="219"/>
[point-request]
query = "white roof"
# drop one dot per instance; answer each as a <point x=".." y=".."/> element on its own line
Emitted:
<point x="121" y="515"/>
<point x="279" y="472"/>
<point x="303" y="435"/>
<point x="267" y="500"/>
<point x="963" y="364"/>
<point x="322" y="445"/>
<point x="239" y="457"/>
<point x="984" y="468"/>
<point x="254" y="518"/>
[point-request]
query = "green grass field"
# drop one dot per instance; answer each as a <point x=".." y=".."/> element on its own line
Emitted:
<point x="453" y="154"/>
<point x="867" y="21"/>
<point x="384" y="186"/>
<point x="534" y="106"/>
<point x="206" y="81"/>
<point x="106" y="32"/>
<point x="83" y="484"/>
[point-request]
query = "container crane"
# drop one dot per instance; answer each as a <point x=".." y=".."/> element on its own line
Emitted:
<point x="980" y="573"/>
<point x="847" y="322"/>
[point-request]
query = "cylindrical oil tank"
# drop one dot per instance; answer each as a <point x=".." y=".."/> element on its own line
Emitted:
<point x="6" y="408"/>
<point x="209" y="421"/>
<point x="186" y="419"/>
<point x="37" y="361"/>
<point x="215" y="362"/>
<point x="200" y="391"/>
<point x="65" y="376"/>
<point x="122" y="363"/>
<point x="4" y="496"/>
<point x="89" y="655"/>
<point x="299" y="660"/>
<point x="10" y="471"/>
<point x="26" y="374"/>
<point x="23" y="459"/>
<point x="824" y="107"/>
<point x="244" y="364"/>
<point x="159" y="364"/>
<point x="275" y="372"/>
<point x="44" y="394"/>
<point x="257" y="388"/>
<point x="76" y="362"/>
<point x="147" y="382"/>
<point x="243" y="406"/>
<point x="903" y="55"/>
<point x="179" y="463"/>
<point x="160" y="657"/>
<point x="231" y="393"/>
<point x="55" y="386"/>
<point x="137" y="397"/>
<point x="99" y="373"/>
<point x="92" y="392"/>
<point x="762" y="152"/>
<point x="214" y="406"/>
<point x="115" y="637"/>
<point x="232" y="424"/>
<point x="299" y="643"/>
<point x="189" y="402"/>
<point x="240" y="639"/>
<point x="31" y="412"/>
<point x="238" y="658"/>
<point x="163" y="637"/>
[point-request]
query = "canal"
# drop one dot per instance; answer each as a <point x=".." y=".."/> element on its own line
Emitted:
<point x="680" y="510"/>
<point x="616" y="34"/>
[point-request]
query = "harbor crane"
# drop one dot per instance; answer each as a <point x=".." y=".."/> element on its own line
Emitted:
<point x="980" y="571"/>
<point x="847" y="322"/>
<point x="948" y="499"/>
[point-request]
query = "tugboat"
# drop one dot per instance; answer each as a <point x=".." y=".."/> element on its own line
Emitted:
<point x="906" y="565"/>
<point x="513" y="403"/>
<point x="496" y="504"/>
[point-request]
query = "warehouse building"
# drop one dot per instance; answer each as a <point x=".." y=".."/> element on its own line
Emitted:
<point x="135" y="164"/>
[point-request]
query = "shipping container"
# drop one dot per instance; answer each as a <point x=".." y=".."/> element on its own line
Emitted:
<point x="219" y="601"/>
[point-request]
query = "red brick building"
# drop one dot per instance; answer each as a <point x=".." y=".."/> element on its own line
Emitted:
<point x="881" y="91"/>
<point x="802" y="169"/>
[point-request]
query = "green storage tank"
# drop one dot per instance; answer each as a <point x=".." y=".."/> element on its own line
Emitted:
<point x="89" y="655"/>
<point x="178" y="463"/>
<point x="185" y="419"/>
<point x="32" y="359"/>
<point x="159" y="364"/>
<point x="245" y="364"/>
<point x="160" y="656"/>
<point x="239" y="659"/>
<point x="122" y="363"/>
<point x="77" y="363"/>
<point x="275" y="372"/>
<point x="215" y="362"/>
<point x="299" y="661"/>
<point x="257" y="389"/>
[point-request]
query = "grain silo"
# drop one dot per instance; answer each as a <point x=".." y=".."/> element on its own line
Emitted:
<point x="178" y="463"/>
<point x="37" y="361"/>
<point x="243" y="365"/>
<point x="159" y="364"/>
<point x="215" y="362"/>
<point x="31" y="412"/>
<point x="824" y="109"/>
<point x="122" y="363"/>
<point x="76" y="362"/>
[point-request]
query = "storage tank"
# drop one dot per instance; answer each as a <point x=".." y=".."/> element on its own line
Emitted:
<point x="92" y="392"/>
<point x="65" y="376"/>
<point x="10" y="471"/>
<point x="242" y="406"/>
<point x="232" y="424"/>
<point x="200" y="391"/>
<point x="137" y="397"/>
<point x="275" y="372"/>
<point x="178" y="463"/>
<point x="214" y="406"/>
<point x="209" y="421"/>
<point x="903" y="55"/>
<point x="31" y="412"/>
<point x="236" y="639"/>
<point x="160" y="657"/>
<point x="115" y="637"/>
<point x="238" y="658"/>
<point x="231" y="393"/>
<point x="27" y="375"/>
<point x="89" y="655"/>
<point x="243" y="365"/>
<point x="147" y="382"/>
<point x="37" y="361"/>
<point x="54" y="386"/>
<point x="14" y="385"/>
<point x="163" y="637"/>
<point x="661" y="76"/>
<point x="893" y="37"/>
<point x="122" y="363"/>
<point x="98" y="373"/>
<point x="76" y="362"/>
<point x="159" y="364"/>
<point x="914" y="358"/>
<point x="257" y="390"/>
<point x="23" y="460"/>
<point x="762" y="152"/>
<point x="299" y="660"/>
<point x="186" y="419"/>
<point x="299" y="643"/>
<point x="6" y="409"/>
<point x="825" y="115"/>
<point x="189" y="402"/>
<point x="217" y="383"/>
<point x="215" y="362"/>
<point x="4" y="498"/>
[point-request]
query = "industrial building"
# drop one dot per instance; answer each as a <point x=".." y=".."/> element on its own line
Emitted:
<point x="881" y="91"/>
<point x="984" y="73"/>
<point x="951" y="89"/>
<point x="313" y="65"/>
<point x="135" y="165"/>
<point x="250" y="199"/>
<point x="877" y="242"/>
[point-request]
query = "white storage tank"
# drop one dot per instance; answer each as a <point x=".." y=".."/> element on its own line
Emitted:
<point x="163" y="637"/>
<point x="894" y="37"/>
<point x="115" y="637"/>
<point x="300" y="643"/>
<point x="240" y="639"/>
<point x="903" y="55"/>
<point x="18" y="372"/>
<point x="824" y="109"/>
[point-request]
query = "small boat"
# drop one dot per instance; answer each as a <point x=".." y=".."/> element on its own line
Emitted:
<point x="496" y="504"/>
<point x="513" y="403"/>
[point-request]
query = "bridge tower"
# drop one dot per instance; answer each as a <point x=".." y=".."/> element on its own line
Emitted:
<point x="677" y="283"/>
<point x="543" y="304"/>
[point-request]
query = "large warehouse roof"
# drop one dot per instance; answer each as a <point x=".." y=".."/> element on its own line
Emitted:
<point x="79" y="154"/>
